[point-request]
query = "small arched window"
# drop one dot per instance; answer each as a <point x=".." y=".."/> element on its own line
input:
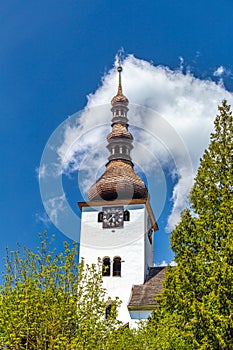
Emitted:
<point x="108" y="311"/>
<point x="117" y="149"/>
<point x="106" y="266"/>
<point x="116" y="266"/>
<point x="126" y="215"/>
<point x="100" y="216"/>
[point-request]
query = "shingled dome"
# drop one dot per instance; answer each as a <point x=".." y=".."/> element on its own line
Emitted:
<point x="119" y="181"/>
<point x="120" y="98"/>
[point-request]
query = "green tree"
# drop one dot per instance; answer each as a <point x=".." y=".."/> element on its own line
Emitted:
<point x="198" y="292"/>
<point x="49" y="301"/>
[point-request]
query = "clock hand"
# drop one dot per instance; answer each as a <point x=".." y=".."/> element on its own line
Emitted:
<point x="110" y="218"/>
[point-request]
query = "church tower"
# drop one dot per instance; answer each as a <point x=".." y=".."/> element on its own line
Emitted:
<point x="117" y="222"/>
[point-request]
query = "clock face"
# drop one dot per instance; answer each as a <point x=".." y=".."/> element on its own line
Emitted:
<point x="113" y="217"/>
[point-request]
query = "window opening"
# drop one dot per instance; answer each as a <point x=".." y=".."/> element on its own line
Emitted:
<point x="100" y="216"/>
<point x="106" y="266"/>
<point x="108" y="311"/>
<point x="117" y="266"/>
<point x="150" y="232"/>
<point x="126" y="215"/>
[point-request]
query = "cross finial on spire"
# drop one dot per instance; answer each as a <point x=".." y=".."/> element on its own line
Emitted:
<point x="119" y="69"/>
<point x="119" y="58"/>
<point x="119" y="98"/>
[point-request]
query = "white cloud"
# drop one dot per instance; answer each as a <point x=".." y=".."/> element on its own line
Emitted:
<point x="179" y="197"/>
<point x="41" y="171"/>
<point x="219" y="71"/>
<point x="55" y="207"/>
<point x="44" y="219"/>
<point x="181" y="59"/>
<point x="171" y="116"/>
<point x="165" y="263"/>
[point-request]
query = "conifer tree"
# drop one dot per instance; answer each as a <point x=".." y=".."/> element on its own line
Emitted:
<point x="198" y="292"/>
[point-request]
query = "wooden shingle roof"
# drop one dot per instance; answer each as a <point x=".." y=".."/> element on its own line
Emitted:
<point x="119" y="181"/>
<point x="120" y="98"/>
<point x="143" y="296"/>
<point x="119" y="130"/>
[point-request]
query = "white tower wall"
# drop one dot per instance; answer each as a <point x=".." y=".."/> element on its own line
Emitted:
<point x="130" y="243"/>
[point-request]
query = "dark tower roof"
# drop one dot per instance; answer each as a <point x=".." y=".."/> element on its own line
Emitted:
<point x="119" y="180"/>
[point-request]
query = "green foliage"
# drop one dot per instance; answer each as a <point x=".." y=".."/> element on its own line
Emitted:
<point x="50" y="301"/>
<point x="161" y="332"/>
<point x="123" y="338"/>
<point x="198" y="293"/>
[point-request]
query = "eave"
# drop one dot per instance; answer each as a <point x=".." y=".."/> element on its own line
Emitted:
<point x="122" y="202"/>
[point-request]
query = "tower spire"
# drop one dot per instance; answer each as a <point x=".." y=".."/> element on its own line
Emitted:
<point x="119" y="180"/>
<point x="119" y="98"/>
<point x="119" y="69"/>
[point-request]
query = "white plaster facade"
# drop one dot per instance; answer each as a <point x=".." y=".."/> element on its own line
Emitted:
<point x="130" y="243"/>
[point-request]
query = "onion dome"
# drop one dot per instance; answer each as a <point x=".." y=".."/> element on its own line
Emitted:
<point x="119" y="180"/>
<point x="119" y="130"/>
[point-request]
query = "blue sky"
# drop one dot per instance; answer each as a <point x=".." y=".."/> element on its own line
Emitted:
<point x="56" y="53"/>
